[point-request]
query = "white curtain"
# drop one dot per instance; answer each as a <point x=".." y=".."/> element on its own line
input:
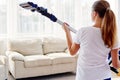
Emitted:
<point x="11" y="18"/>
<point x="83" y="13"/>
<point x="15" y="21"/>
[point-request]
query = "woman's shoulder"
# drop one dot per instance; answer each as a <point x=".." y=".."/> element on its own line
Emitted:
<point x="88" y="30"/>
<point x="85" y="28"/>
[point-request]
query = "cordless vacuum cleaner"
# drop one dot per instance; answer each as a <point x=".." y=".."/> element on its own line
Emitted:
<point x="34" y="7"/>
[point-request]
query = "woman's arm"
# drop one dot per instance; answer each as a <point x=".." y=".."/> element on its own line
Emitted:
<point x="115" y="58"/>
<point x="73" y="47"/>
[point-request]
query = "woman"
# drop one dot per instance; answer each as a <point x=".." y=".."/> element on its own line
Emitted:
<point x="94" y="43"/>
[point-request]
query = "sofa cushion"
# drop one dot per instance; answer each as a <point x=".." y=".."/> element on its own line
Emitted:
<point x="37" y="61"/>
<point x="61" y="58"/>
<point x="54" y="44"/>
<point x="26" y="46"/>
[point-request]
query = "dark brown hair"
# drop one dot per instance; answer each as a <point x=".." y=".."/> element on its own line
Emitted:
<point x="108" y="26"/>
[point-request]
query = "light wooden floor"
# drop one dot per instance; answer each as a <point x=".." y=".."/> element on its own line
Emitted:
<point x="64" y="76"/>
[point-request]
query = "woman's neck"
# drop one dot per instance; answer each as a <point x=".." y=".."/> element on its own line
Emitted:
<point x="98" y="22"/>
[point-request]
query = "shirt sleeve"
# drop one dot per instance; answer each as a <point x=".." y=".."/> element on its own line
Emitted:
<point x="77" y="37"/>
<point x="116" y="46"/>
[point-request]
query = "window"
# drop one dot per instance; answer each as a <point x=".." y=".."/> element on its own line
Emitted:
<point x="3" y="17"/>
<point x="15" y="20"/>
<point x="83" y="13"/>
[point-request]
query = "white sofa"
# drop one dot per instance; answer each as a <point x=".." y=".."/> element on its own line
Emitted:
<point x="3" y="68"/>
<point x="3" y="60"/>
<point x="38" y="57"/>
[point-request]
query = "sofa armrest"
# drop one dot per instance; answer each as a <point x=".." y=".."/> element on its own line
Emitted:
<point x="2" y="60"/>
<point x="15" y="56"/>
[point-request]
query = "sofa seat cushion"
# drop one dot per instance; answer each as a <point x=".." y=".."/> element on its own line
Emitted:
<point x="61" y="58"/>
<point x="37" y="61"/>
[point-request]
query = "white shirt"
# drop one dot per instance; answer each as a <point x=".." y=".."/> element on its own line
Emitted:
<point x="93" y="54"/>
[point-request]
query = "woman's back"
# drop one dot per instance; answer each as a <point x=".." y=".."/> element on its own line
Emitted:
<point x="92" y="48"/>
<point x="93" y="54"/>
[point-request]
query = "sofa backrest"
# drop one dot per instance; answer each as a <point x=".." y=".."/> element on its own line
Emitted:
<point x="26" y="46"/>
<point x="53" y="44"/>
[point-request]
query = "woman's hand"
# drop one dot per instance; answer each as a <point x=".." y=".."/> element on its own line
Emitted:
<point x="65" y="27"/>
